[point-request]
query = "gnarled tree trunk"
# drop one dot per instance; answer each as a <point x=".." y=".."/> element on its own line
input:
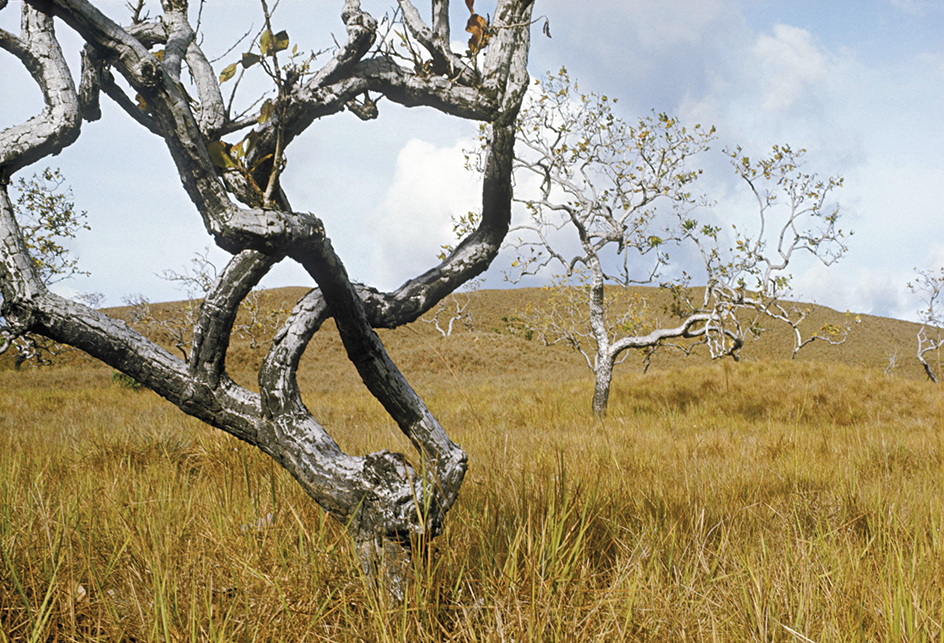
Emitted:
<point x="389" y="505"/>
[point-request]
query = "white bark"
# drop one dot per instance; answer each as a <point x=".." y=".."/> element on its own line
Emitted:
<point x="929" y="285"/>
<point x="623" y="196"/>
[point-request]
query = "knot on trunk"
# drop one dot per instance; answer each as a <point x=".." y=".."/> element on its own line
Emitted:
<point x="149" y="72"/>
<point x="19" y="314"/>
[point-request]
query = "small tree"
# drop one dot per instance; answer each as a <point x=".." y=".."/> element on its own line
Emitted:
<point x="48" y="219"/>
<point x="253" y="322"/>
<point x="606" y="202"/>
<point x="454" y="308"/>
<point x="929" y="285"/>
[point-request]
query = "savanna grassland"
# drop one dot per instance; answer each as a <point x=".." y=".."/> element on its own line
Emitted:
<point x="765" y="500"/>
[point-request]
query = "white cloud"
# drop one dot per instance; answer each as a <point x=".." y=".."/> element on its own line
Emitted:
<point x="858" y="289"/>
<point x="657" y="24"/>
<point x="882" y="294"/>
<point x="792" y="64"/>
<point x="430" y="186"/>
<point x="934" y="259"/>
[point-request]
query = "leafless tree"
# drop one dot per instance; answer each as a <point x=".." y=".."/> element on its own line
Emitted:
<point x="454" y="308"/>
<point x="929" y="285"/>
<point x="390" y="505"/>
<point x="606" y="202"/>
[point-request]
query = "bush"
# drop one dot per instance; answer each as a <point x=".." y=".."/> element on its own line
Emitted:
<point x="125" y="381"/>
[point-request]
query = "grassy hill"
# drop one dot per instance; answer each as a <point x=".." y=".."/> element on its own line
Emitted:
<point x="769" y="500"/>
<point x="493" y="342"/>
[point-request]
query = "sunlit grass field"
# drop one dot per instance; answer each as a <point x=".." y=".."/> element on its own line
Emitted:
<point x="766" y="500"/>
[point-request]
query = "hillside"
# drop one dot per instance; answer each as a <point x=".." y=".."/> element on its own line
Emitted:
<point x="733" y="502"/>
<point x="495" y="343"/>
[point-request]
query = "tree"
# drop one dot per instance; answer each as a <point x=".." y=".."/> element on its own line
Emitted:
<point x="455" y="308"/>
<point x="253" y="321"/>
<point x="48" y="219"/>
<point x="929" y="285"/>
<point x="606" y="202"/>
<point x="229" y="164"/>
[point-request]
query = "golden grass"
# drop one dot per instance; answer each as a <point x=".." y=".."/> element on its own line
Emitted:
<point x="764" y="501"/>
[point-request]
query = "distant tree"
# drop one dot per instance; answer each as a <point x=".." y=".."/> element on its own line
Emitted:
<point x="609" y="203"/>
<point x="229" y="154"/>
<point x="454" y="308"/>
<point x="929" y="285"/>
<point x="47" y="217"/>
<point x="252" y="322"/>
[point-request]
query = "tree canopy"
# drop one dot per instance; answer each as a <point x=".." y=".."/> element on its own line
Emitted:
<point x="610" y="203"/>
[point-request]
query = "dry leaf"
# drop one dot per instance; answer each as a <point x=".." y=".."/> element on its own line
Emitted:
<point x="478" y="27"/>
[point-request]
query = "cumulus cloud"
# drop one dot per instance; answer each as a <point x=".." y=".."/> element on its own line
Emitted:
<point x="430" y="186"/>
<point x="858" y="289"/>
<point x="783" y="86"/>
<point x="883" y="294"/>
<point x="792" y="64"/>
<point x="657" y="24"/>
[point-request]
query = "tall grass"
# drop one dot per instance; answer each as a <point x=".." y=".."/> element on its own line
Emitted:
<point x="762" y="502"/>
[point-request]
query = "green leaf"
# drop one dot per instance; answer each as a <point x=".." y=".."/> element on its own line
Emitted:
<point x="265" y="112"/>
<point x="228" y="73"/>
<point x="269" y="44"/>
<point x="249" y="59"/>
<point x="219" y="155"/>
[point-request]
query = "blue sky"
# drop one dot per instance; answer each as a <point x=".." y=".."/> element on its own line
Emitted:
<point x="858" y="84"/>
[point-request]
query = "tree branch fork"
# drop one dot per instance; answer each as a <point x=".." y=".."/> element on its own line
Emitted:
<point x="381" y="496"/>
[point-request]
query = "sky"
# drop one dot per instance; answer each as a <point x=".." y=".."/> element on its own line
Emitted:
<point x="858" y="83"/>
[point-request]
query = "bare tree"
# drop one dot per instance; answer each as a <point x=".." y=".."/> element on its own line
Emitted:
<point x="606" y="202"/>
<point x="390" y="505"/>
<point x="929" y="285"/>
<point x="454" y="308"/>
